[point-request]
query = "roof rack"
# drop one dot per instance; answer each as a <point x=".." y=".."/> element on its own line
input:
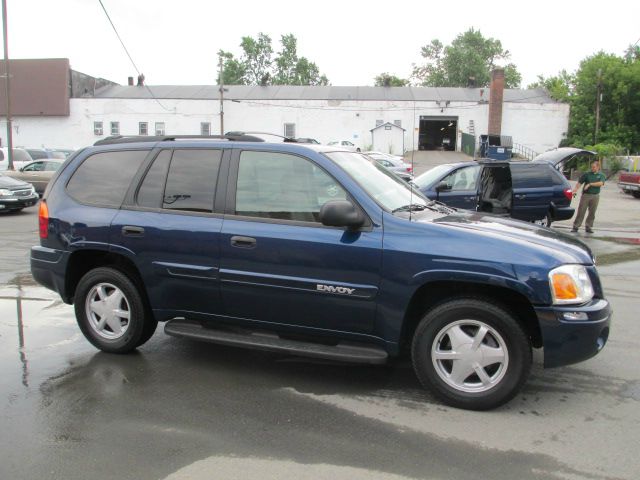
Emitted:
<point x="231" y="136"/>
<point x="284" y="139"/>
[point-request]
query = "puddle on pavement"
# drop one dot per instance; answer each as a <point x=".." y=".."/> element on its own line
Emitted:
<point x="34" y="324"/>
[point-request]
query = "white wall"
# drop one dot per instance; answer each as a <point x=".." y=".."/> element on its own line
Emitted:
<point x="538" y="126"/>
<point x="388" y="141"/>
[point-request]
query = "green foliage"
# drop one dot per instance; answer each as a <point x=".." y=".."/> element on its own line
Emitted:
<point x="387" y="80"/>
<point x="257" y="66"/>
<point x="560" y="87"/>
<point x="619" y="79"/>
<point x="469" y="59"/>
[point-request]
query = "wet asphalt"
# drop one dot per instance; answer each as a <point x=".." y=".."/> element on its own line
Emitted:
<point x="180" y="409"/>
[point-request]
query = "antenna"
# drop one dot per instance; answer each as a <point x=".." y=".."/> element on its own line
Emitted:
<point x="413" y="152"/>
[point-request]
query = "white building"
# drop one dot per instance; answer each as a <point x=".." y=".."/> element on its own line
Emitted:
<point x="427" y="116"/>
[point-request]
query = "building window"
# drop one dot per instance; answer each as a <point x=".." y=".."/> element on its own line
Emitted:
<point x="97" y="128"/>
<point x="205" y="128"/>
<point x="290" y="130"/>
<point x="379" y="122"/>
<point x="143" y="128"/>
<point x="115" y="128"/>
<point x="159" y="128"/>
<point x="398" y="123"/>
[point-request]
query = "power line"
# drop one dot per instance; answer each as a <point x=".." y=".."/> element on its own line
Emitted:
<point x="130" y="58"/>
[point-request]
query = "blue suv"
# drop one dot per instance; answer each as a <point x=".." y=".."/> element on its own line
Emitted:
<point x="311" y="250"/>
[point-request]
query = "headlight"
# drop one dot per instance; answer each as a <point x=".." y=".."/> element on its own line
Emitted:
<point x="570" y="284"/>
<point x="5" y="193"/>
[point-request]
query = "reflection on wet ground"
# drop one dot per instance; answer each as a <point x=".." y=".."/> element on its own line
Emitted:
<point x="73" y="412"/>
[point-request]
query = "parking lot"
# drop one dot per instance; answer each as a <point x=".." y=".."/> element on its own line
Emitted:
<point x="180" y="409"/>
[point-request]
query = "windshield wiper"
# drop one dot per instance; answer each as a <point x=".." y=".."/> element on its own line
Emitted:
<point x="441" y="207"/>
<point x="410" y="208"/>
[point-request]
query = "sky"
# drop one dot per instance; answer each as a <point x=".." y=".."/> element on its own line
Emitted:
<point x="176" y="42"/>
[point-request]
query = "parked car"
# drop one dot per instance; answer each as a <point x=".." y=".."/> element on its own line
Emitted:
<point x="16" y="194"/>
<point x="311" y="250"/>
<point x="629" y="182"/>
<point x="37" y="173"/>
<point x="20" y="158"/>
<point x="393" y="163"/>
<point x="534" y="192"/>
<point x="346" y="144"/>
<point x="41" y="153"/>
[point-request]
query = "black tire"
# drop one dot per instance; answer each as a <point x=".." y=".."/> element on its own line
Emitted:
<point x="635" y="194"/>
<point x="150" y="325"/>
<point x="102" y="283"/>
<point x="465" y="314"/>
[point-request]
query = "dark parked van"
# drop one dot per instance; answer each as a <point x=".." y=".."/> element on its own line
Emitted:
<point x="534" y="192"/>
<point x="311" y="250"/>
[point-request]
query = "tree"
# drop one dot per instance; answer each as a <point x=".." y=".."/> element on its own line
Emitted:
<point x="257" y="66"/>
<point x="468" y="61"/>
<point x="560" y="87"/>
<point x="233" y="72"/>
<point x="387" y="80"/>
<point x="619" y="79"/>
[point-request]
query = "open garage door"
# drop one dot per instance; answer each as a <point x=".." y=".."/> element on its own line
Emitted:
<point x="437" y="133"/>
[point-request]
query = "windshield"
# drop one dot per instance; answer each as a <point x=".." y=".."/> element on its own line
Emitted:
<point x="430" y="176"/>
<point x="387" y="189"/>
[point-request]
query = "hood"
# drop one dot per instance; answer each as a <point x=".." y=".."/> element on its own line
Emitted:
<point x="8" y="182"/>
<point x="566" y="248"/>
<point x="561" y="155"/>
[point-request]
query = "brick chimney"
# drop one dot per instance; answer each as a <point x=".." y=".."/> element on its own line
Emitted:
<point x="495" y="101"/>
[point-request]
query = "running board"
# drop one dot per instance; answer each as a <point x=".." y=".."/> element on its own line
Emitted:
<point x="273" y="343"/>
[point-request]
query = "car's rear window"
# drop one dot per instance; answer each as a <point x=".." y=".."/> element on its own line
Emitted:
<point x="103" y="178"/>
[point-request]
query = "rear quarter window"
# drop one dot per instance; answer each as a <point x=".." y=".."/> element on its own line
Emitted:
<point x="103" y="178"/>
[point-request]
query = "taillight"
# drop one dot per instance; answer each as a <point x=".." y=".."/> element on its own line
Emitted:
<point x="409" y="168"/>
<point x="568" y="193"/>
<point x="43" y="219"/>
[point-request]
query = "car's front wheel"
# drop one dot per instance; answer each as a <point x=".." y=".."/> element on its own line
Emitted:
<point x="471" y="354"/>
<point x="111" y="312"/>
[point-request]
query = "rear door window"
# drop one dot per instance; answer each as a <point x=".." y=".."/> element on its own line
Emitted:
<point x="191" y="180"/>
<point x="103" y="178"/>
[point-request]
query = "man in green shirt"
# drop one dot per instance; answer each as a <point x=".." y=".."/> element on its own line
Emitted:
<point x="592" y="182"/>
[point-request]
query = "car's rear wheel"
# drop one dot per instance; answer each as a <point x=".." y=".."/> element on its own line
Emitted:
<point x="111" y="312"/>
<point x="636" y="194"/>
<point x="544" y="222"/>
<point x="471" y="354"/>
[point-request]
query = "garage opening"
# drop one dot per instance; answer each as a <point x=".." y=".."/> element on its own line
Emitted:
<point x="437" y="133"/>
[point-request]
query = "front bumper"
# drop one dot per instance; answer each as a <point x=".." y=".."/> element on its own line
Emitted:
<point x="571" y="334"/>
<point x="15" y="203"/>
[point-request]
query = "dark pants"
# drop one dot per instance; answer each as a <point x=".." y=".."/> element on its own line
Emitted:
<point x="588" y="201"/>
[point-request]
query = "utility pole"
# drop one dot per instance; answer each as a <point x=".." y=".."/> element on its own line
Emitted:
<point x="598" y="100"/>
<point x="7" y="90"/>
<point x="221" y="81"/>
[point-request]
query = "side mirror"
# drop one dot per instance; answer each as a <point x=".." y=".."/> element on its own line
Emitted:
<point x="443" y="187"/>
<point x="341" y="213"/>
